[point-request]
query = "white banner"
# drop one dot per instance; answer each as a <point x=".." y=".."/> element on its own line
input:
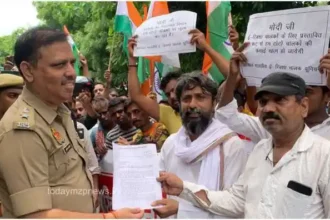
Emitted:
<point x="166" y="34"/>
<point x="287" y="41"/>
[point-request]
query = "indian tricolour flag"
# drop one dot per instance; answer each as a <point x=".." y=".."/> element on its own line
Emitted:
<point x="126" y="21"/>
<point x="162" y="64"/>
<point x="74" y="50"/>
<point x="218" y="14"/>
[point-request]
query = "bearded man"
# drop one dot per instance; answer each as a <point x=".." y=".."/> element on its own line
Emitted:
<point x="203" y="151"/>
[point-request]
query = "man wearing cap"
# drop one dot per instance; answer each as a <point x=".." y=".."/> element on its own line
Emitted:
<point x="250" y="126"/>
<point x="287" y="175"/>
<point x="10" y="88"/>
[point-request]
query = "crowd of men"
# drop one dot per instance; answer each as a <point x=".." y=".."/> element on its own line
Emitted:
<point x="226" y="151"/>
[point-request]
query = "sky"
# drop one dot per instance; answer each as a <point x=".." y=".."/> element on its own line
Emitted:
<point x="15" y="14"/>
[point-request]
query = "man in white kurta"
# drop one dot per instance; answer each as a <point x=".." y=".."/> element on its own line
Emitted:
<point x="216" y="167"/>
<point x="234" y="161"/>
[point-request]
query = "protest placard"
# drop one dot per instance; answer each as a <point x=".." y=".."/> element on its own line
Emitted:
<point x="287" y="41"/>
<point x="166" y="34"/>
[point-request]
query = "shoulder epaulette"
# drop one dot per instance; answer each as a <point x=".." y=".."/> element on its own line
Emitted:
<point x="25" y="119"/>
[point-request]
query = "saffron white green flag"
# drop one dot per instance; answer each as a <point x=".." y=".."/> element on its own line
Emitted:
<point x="74" y="50"/>
<point x="126" y="21"/>
<point x="218" y="13"/>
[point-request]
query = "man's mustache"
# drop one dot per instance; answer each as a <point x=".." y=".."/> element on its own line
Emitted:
<point x="192" y="111"/>
<point x="135" y="121"/>
<point x="271" y="115"/>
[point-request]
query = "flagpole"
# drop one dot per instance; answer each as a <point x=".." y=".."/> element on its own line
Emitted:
<point x="111" y="51"/>
<point x="230" y="20"/>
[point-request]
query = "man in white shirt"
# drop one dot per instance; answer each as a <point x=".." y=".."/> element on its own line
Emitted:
<point x="203" y="151"/>
<point x="251" y="127"/>
<point x="286" y="176"/>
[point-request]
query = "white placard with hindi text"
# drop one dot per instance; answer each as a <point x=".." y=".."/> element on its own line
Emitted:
<point x="291" y="41"/>
<point x="136" y="168"/>
<point x="166" y="34"/>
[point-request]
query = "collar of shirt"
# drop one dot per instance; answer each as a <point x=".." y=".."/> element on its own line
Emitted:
<point x="45" y="111"/>
<point x="99" y="126"/>
<point x="325" y="123"/>
<point x="304" y="142"/>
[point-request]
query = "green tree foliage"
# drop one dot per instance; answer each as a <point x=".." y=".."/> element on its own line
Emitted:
<point x="7" y="44"/>
<point x="91" y="25"/>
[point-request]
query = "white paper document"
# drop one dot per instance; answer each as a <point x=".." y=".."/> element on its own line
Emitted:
<point x="291" y="41"/>
<point x="136" y="168"/>
<point x="166" y="34"/>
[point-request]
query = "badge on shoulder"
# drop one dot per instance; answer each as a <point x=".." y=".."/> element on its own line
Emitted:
<point x="21" y="125"/>
<point x="57" y="136"/>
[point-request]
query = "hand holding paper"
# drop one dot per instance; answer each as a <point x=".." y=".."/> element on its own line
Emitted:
<point x="170" y="207"/>
<point x="172" y="184"/>
<point x="198" y="39"/>
<point x="324" y="67"/>
<point x="237" y="59"/>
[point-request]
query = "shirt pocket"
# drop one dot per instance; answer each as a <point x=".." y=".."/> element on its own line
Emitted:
<point x="294" y="204"/>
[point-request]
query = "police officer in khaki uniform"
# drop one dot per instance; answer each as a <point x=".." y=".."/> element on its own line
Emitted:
<point x="43" y="172"/>
<point x="10" y="88"/>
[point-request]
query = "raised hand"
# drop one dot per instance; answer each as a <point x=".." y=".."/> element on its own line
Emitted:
<point x="324" y="66"/>
<point x="198" y="38"/>
<point x="83" y="60"/>
<point x="237" y="58"/>
<point x="233" y="37"/>
<point x="131" y="45"/>
<point x="108" y="76"/>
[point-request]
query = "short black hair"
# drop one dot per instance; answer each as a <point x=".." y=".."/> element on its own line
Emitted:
<point x="325" y="89"/>
<point x="240" y="98"/>
<point x="168" y="77"/>
<point x="100" y="102"/>
<point x="113" y="90"/>
<point x="99" y="83"/>
<point x="127" y="103"/>
<point x="191" y="80"/>
<point x="28" y="44"/>
<point x="116" y="101"/>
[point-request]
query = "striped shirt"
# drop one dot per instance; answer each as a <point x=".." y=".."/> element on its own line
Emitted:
<point x="117" y="132"/>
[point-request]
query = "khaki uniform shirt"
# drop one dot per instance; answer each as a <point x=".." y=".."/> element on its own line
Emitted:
<point x="42" y="161"/>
